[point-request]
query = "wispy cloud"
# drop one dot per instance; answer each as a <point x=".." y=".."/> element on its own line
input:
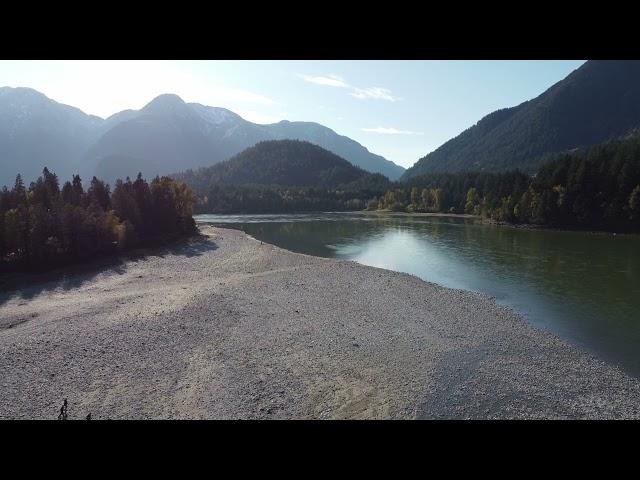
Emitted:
<point x="328" y="80"/>
<point x="376" y="93"/>
<point x="390" y="131"/>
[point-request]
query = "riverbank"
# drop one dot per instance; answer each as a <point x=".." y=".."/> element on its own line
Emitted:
<point x="225" y="326"/>
<point x="417" y="214"/>
<point x="548" y="228"/>
<point x="487" y="221"/>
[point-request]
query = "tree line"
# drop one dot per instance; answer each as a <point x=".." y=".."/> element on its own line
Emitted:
<point x="277" y="199"/>
<point x="255" y="198"/>
<point x="592" y="188"/>
<point x="45" y="225"/>
<point x="469" y="192"/>
<point x="287" y="163"/>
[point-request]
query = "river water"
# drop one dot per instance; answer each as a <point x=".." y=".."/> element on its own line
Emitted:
<point x="583" y="287"/>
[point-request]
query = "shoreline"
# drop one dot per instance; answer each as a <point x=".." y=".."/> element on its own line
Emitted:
<point x="520" y="226"/>
<point x="529" y="226"/>
<point x="228" y="327"/>
<point x="420" y="214"/>
<point x="358" y="212"/>
<point x="478" y="218"/>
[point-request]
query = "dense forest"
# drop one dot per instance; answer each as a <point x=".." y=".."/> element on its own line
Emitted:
<point x="283" y="176"/>
<point x="448" y="192"/>
<point x="277" y="199"/>
<point x="45" y="225"/>
<point x="287" y="163"/>
<point x="255" y="198"/>
<point x="593" y="188"/>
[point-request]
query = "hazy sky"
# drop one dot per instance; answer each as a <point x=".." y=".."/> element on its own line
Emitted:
<point x="399" y="109"/>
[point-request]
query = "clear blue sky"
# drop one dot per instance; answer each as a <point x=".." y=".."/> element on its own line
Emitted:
<point x="399" y="109"/>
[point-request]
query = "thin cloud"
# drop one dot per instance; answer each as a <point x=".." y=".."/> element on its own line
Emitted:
<point x="376" y="93"/>
<point x="328" y="80"/>
<point x="390" y="131"/>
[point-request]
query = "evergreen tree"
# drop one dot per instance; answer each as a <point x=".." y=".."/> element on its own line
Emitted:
<point x="45" y="225"/>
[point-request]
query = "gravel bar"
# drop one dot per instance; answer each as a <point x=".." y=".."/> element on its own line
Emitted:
<point x="226" y="327"/>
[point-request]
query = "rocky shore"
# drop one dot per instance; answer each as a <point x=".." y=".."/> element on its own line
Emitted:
<point x="225" y="327"/>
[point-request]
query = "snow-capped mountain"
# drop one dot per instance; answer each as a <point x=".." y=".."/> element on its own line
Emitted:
<point x="166" y="136"/>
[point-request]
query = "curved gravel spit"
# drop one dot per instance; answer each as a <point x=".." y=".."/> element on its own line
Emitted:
<point x="227" y="327"/>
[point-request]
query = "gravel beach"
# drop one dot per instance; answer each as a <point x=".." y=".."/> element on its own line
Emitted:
<point x="226" y="327"/>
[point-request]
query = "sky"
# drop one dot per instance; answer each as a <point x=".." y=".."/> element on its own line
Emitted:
<point x="401" y="110"/>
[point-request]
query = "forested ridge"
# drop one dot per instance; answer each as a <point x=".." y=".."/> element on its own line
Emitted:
<point x="596" y="102"/>
<point x="45" y="225"/>
<point x="283" y="176"/>
<point x="277" y="199"/>
<point x="287" y="163"/>
<point x="592" y="188"/>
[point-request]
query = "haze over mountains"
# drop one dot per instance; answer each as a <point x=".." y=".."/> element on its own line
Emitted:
<point x="166" y="136"/>
<point x="598" y="101"/>
<point x="36" y="132"/>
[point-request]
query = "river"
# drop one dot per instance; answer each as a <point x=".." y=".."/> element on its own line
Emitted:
<point x="583" y="287"/>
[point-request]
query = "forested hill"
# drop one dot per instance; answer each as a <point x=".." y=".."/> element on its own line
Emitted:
<point x="594" y="188"/>
<point x="598" y="101"/>
<point x="285" y="163"/>
<point x="279" y="176"/>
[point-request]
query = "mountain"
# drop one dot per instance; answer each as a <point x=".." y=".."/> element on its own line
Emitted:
<point x="36" y="132"/>
<point x="286" y="163"/>
<point x="165" y="136"/>
<point x="170" y="135"/>
<point x="598" y="101"/>
<point x="338" y="144"/>
<point x="167" y="133"/>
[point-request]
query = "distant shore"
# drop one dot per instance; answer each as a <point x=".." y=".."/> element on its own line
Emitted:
<point x="419" y="214"/>
<point x="521" y="226"/>
<point x="225" y="326"/>
<point x="548" y="228"/>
